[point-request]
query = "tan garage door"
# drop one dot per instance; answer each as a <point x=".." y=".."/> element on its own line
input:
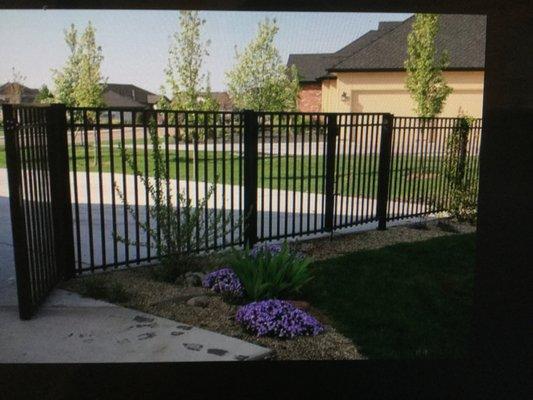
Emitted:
<point x="387" y="101"/>
<point x="399" y="102"/>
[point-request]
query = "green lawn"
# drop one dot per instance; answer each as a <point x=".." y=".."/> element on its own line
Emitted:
<point x="411" y="300"/>
<point x="357" y="174"/>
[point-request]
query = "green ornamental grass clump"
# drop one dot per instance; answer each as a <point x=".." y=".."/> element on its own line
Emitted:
<point x="270" y="272"/>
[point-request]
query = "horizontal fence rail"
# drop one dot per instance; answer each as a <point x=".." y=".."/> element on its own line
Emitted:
<point x="250" y="176"/>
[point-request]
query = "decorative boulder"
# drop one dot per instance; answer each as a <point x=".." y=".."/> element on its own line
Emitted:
<point x="193" y="278"/>
<point x="199" y="301"/>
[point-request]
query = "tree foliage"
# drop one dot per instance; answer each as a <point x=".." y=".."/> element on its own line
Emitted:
<point x="260" y="80"/>
<point x="80" y="81"/>
<point x="44" y="96"/>
<point x="424" y="73"/>
<point x="184" y="77"/>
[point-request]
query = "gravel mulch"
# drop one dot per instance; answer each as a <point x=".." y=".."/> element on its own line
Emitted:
<point x="339" y="245"/>
<point x="169" y="300"/>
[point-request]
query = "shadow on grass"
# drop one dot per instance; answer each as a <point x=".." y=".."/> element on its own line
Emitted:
<point x="411" y="300"/>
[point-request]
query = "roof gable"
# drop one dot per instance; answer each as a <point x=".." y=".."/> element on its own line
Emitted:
<point x="310" y="66"/>
<point x="463" y="36"/>
<point x="114" y="99"/>
<point x="133" y="92"/>
<point x="313" y="67"/>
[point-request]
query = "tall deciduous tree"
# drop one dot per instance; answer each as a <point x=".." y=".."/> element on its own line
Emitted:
<point x="89" y="88"/>
<point x="183" y="72"/>
<point x="260" y="80"/>
<point x="424" y="72"/>
<point x="66" y="78"/>
<point x="80" y="82"/>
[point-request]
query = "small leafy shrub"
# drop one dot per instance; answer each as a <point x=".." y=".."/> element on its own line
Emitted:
<point x="270" y="272"/>
<point x="93" y="286"/>
<point x="277" y="318"/>
<point x="463" y="190"/>
<point x="175" y="232"/>
<point x="117" y="293"/>
<point x="97" y="287"/>
<point x="225" y="282"/>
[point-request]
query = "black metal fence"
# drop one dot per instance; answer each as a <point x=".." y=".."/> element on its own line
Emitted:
<point x="37" y="163"/>
<point x="250" y="176"/>
<point x="267" y="175"/>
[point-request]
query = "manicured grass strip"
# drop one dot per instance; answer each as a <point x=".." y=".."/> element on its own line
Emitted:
<point x="411" y="300"/>
<point x="426" y="177"/>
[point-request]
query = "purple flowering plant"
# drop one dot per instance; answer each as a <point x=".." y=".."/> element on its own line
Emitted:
<point x="277" y="318"/>
<point x="268" y="248"/>
<point x="270" y="271"/>
<point x="225" y="282"/>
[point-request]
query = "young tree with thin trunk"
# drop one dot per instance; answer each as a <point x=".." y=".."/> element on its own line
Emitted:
<point x="89" y="88"/>
<point x="184" y="75"/>
<point x="65" y="79"/>
<point x="260" y="80"/>
<point x="80" y="81"/>
<point x="424" y="72"/>
<point x="425" y="81"/>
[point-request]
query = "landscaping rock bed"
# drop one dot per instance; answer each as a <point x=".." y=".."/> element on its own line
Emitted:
<point x="173" y="302"/>
<point x="187" y="302"/>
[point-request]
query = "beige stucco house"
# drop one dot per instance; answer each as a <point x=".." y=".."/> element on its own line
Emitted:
<point x="368" y="74"/>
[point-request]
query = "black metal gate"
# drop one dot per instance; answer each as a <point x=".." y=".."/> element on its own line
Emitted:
<point x="41" y="217"/>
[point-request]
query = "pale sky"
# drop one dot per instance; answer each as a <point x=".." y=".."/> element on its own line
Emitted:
<point x="135" y="43"/>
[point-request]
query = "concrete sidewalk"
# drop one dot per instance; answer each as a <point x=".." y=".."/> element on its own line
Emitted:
<point x="71" y="329"/>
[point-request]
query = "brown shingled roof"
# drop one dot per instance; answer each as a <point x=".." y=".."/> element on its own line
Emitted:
<point x="463" y="36"/>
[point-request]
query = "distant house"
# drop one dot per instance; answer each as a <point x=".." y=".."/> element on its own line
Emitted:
<point x="223" y="100"/>
<point x="16" y="93"/>
<point x="368" y="74"/>
<point x="127" y="95"/>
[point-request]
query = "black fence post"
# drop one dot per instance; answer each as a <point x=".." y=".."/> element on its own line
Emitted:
<point x="251" y="133"/>
<point x="464" y="131"/>
<point x="331" y="139"/>
<point x="56" y="131"/>
<point x="384" y="171"/>
<point x="16" y="204"/>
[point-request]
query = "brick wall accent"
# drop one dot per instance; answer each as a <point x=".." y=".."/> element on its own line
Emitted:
<point x="310" y="99"/>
